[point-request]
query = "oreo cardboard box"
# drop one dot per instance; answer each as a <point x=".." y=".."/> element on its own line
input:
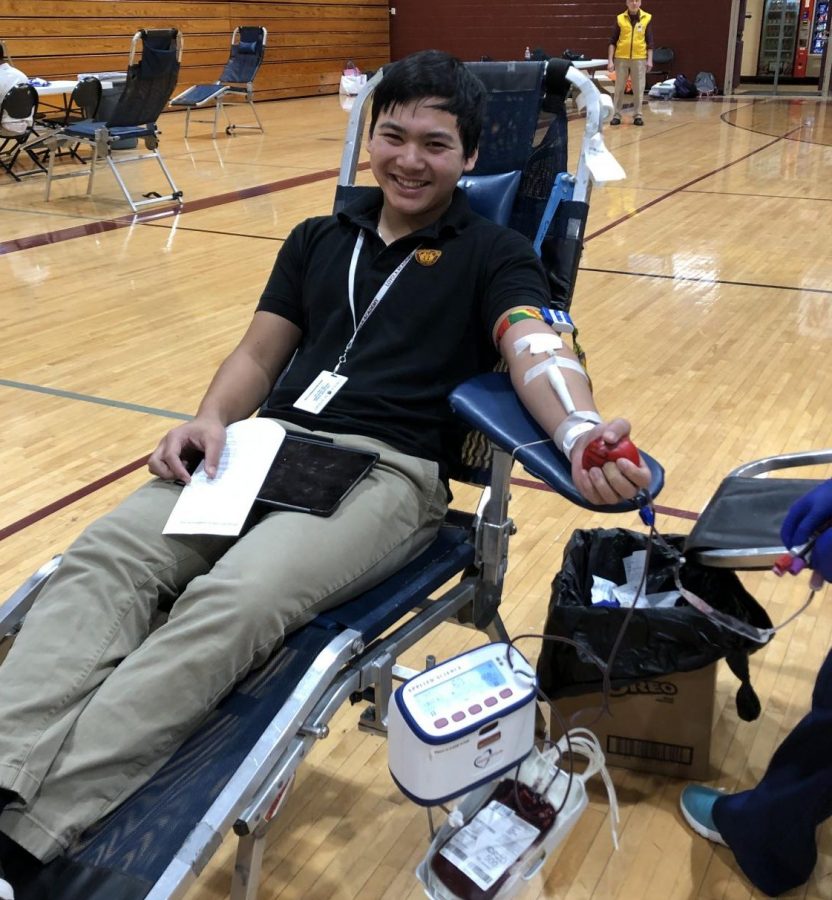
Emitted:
<point x="662" y="725"/>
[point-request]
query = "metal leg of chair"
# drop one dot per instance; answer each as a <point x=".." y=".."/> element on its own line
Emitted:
<point x="8" y="163"/>
<point x="246" y="878"/>
<point x="49" y="169"/>
<point x="176" y="194"/>
<point x="93" y="162"/>
<point x="121" y="184"/>
<point x="187" y="119"/>
<point x="254" y="110"/>
<point x="217" y="108"/>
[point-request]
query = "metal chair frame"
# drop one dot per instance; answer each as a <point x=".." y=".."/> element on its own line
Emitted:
<point x="20" y="102"/>
<point x="237" y="92"/>
<point x="102" y="136"/>
<point x="761" y="556"/>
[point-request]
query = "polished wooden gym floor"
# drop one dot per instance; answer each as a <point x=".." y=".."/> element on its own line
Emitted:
<point x="705" y="305"/>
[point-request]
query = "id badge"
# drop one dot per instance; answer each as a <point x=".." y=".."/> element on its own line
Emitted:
<point x="320" y="392"/>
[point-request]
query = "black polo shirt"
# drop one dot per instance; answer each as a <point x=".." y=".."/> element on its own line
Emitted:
<point x="431" y="331"/>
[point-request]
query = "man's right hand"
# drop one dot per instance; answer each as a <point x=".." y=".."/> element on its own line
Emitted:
<point x="200" y="436"/>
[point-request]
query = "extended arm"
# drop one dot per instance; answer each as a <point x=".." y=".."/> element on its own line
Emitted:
<point x="534" y="385"/>
<point x="238" y="388"/>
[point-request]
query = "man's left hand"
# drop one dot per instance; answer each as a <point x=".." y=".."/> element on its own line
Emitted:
<point x="615" y="481"/>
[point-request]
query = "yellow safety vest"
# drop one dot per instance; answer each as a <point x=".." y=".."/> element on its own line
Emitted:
<point x="632" y="43"/>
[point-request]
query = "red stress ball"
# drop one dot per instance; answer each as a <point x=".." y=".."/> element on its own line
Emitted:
<point x="598" y="452"/>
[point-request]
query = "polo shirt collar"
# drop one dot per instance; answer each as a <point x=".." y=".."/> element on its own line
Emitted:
<point x="364" y="213"/>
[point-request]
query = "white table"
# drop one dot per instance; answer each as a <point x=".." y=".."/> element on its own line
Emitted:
<point x="54" y="88"/>
<point x="64" y="89"/>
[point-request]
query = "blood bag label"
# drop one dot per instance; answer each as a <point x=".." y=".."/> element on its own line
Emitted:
<point x="491" y="842"/>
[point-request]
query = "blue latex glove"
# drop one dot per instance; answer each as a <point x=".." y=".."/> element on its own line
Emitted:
<point x="807" y="516"/>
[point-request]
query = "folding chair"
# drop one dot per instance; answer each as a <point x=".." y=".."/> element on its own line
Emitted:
<point x="82" y="107"/>
<point x="236" y="83"/>
<point x="663" y="58"/>
<point x="150" y="82"/>
<point x="20" y="102"/>
<point x="235" y="772"/>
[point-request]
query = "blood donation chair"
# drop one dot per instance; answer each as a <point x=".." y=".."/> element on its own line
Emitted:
<point x="235" y="84"/>
<point x="151" y="78"/>
<point x="235" y="772"/>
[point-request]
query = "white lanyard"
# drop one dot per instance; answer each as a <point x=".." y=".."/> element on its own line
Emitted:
<point x="382" y="291"/>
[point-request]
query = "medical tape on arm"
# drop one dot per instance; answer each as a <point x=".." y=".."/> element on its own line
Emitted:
<point x="572" y="427"/>
<point x="547" y="343"/>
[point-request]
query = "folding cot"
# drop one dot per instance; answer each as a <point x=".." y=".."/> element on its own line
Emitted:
<point x="151" y="77"/>
<point x="236" y="770"/>
<point x="236" y="81"/>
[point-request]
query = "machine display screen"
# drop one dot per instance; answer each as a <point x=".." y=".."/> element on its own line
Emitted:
<point x="460" y="690"/>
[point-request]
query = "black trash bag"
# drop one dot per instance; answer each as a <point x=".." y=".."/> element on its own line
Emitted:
<point x="657" y="641"/>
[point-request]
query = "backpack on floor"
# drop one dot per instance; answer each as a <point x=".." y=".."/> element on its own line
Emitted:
<point x="685" y="89"/>
<point x="705" y="84"/>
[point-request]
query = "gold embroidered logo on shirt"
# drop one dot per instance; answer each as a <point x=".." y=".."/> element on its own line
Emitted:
<point x="428" y="257"/>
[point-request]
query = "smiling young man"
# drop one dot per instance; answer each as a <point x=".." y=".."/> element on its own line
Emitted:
<point x="393" y="301"/>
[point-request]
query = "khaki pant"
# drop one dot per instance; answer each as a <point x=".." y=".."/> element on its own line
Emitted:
<point x="93" y="702"/>
<point x="636" y="69"/>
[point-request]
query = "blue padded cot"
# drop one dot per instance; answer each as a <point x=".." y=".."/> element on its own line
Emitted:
<point x="236" y="81"/>
<point x="235" y="771"/>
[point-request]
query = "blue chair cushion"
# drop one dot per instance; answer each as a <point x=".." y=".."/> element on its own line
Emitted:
<point x="120" y="132"/>
<point x="490" y="404"/>
<point x="492" y="196"/>
<point x="199" y="93"/>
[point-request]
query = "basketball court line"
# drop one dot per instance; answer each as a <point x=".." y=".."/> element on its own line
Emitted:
<point x="209" y="202"/>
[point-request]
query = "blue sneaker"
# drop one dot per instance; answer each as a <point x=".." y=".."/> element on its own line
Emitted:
<point x="697" y="805"/>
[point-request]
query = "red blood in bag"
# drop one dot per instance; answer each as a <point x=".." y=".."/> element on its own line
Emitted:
<point x="598" y="452"/>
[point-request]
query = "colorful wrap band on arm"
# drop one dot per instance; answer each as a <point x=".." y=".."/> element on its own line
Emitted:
<point x="516" y="315"/>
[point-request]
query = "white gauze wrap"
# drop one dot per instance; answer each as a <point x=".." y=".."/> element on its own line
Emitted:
<point x="548" y="343"/>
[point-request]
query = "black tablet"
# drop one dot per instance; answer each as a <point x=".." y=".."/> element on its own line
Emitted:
<point x="313" y="476"/>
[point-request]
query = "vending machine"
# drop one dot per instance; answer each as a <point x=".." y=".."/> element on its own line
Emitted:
<point x="778" y="40"/>
<point x="812" y="34"/>
<point x="820" y="35"/>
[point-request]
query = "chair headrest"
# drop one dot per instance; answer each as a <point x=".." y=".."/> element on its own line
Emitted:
<point x="492" y="196"/>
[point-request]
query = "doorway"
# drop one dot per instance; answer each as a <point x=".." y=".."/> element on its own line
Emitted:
<point x="781" y="47"/>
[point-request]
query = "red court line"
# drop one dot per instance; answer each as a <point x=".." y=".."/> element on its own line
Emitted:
<point x="77" y="231"/>
<point x="687" y="184"/>
<point x="44" y="511"/>
<point x="293" y="182"/>
<point x="664" y="510"/>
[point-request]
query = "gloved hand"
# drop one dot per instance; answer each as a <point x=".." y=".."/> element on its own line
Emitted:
<point x="807" y="516"/>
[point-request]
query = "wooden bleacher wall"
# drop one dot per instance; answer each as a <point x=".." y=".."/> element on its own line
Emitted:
<point x="308" y="42"/>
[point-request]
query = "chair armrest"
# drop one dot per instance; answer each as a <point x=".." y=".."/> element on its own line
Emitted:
<point x="783" y="461"/>
<point x="489" y="404"/>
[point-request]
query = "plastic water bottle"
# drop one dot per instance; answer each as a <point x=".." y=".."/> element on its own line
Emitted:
<point x="527" y="54"/>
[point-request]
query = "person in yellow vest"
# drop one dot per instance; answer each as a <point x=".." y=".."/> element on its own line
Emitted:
<point x="631" y="54"/>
